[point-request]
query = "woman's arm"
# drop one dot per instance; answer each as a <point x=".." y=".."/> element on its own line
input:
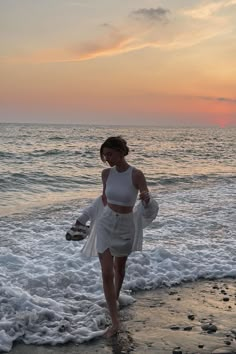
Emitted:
<point x="141" y="184"/>
<point x="105" y="174"/>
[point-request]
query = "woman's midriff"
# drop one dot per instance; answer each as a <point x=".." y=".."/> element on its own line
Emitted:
<point x="120" y="208"/>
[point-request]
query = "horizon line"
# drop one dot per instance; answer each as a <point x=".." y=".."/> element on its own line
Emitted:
<point x="123" y="125"/>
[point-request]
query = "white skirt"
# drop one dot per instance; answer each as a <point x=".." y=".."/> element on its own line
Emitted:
<point x="115" y="231"/>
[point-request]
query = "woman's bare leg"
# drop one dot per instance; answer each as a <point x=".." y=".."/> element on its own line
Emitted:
<point x="119" y="266"/>
<point x="106" y="261"/>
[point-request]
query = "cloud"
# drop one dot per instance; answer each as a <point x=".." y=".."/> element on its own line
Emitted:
<point x="110" y="45"/>
<point x="207" y="10"/>
<point x="147" y="31"/>
<point x="152" y="15"/>
<point x="218" y="99"/>
<point x="114" y="42"/>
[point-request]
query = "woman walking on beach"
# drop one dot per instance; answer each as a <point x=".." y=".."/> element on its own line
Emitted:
<point x="115" y="227"/>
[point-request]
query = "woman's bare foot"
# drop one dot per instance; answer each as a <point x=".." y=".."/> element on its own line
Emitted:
<point x="111" y="331"/>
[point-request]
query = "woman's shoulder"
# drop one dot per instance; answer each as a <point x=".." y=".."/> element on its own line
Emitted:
<point x="105" y="173"/>
<point x="137" y="172"/>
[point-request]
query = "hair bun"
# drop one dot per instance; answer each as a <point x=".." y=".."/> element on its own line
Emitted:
<point x="117" y="143"/>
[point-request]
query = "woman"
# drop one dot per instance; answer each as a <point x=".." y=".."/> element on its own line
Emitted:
<point x="115" y="227"/>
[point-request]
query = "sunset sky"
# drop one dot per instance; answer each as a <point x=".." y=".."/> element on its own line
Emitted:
<point x="118" y="62"/>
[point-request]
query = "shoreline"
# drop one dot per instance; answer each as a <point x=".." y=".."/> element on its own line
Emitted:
<point x="190" y="318"/>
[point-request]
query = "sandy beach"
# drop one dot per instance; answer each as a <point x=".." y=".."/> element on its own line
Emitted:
<point x="193" y="318"/>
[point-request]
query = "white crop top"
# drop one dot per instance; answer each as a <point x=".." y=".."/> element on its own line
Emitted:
<point x="119" y="187"/>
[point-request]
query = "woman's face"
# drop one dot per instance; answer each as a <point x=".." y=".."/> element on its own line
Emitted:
<point x="113" y="157"/>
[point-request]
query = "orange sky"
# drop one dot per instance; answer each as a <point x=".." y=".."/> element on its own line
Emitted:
<point x="141" y="62"/>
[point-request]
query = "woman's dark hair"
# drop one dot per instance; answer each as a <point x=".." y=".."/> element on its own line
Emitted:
<point x="116" y="143"/>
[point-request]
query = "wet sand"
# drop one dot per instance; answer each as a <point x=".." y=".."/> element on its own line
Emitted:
<point x="193" y="318"/>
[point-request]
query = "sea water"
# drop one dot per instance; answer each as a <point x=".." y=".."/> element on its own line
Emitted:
<point x="51" y="293"/>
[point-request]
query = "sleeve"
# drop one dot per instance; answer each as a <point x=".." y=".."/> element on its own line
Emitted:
<point x="83" y="217"/>
<point x="87" y="214"/>
<point x="149" y="212"/>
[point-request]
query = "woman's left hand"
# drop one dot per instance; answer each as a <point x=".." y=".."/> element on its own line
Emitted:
<point x="145" y="197"/>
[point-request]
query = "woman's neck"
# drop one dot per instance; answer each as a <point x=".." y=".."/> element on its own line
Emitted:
<point x="122" y="166"/>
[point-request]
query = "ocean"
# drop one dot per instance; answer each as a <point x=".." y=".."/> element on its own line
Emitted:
<point x="49" y="292"/>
